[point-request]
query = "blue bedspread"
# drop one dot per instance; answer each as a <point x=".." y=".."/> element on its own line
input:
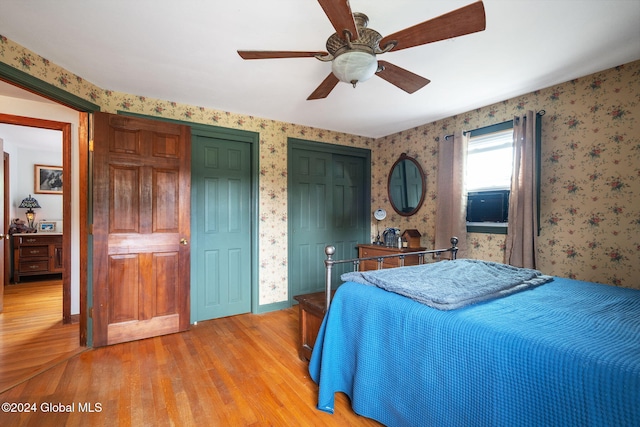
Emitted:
<point x="449" y="285"/>
<point x="566" y="353"/>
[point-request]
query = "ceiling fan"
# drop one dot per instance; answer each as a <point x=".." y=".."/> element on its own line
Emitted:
<point x="352" y="49"/>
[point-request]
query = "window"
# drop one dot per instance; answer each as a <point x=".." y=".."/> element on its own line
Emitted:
<point x="488" y="180"/>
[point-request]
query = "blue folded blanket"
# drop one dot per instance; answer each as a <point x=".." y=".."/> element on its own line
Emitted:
<point x="447" y="285"/>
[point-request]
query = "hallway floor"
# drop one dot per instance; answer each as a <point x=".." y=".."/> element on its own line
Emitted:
<point x="32" y="336"/>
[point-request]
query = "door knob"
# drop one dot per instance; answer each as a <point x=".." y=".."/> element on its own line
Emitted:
<point x="183" y="242"/>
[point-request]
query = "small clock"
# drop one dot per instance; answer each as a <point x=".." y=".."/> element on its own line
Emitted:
<point x="380" y="214"/>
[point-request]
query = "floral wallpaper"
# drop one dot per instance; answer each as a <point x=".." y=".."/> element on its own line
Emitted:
<point x="590" y="171"/>
<point x="590" y="209"/>
<point x="273" y="269"/>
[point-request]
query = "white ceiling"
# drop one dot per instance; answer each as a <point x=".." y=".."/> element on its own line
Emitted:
<point x="185" y="51"/>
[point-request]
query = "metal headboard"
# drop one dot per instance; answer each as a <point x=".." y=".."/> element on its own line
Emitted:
<point x="330" y="262"/>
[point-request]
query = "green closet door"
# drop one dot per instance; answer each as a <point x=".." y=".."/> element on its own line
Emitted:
<point x="220" y="228"/>
<point x="328" y="197"/>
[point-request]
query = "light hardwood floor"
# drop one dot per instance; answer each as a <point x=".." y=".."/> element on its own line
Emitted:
<point x="32" y="335"/>
<point x="235" y="371"/>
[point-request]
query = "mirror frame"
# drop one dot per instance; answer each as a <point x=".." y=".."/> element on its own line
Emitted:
<point x="403" y="157"/>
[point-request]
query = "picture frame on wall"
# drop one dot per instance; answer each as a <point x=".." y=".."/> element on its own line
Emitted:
<point x="47" y="179"/>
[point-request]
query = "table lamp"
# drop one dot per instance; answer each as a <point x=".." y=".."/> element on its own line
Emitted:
<point x="30" y="203"/>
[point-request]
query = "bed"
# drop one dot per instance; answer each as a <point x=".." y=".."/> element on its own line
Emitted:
<point x="558" y="353"/>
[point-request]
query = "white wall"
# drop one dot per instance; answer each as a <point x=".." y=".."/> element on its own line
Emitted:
<point x="50" y="204"/>
<point x="56" y="112"/>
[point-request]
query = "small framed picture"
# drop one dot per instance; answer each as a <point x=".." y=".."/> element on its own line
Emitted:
<point x="48" y="179"/>
<point x="46" y="227"/>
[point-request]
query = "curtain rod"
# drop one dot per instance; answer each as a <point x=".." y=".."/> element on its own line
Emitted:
<point x="539" y="113"/>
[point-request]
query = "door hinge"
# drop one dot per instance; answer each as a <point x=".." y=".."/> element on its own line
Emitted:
<point x="91" y="229"/>
<point x="91" y="312"/>
<point x="91" y="145"/>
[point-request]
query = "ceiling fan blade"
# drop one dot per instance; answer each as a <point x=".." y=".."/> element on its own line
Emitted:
<point x="466" y="20"/>
<point x="325" y="87"/>
<point x="272" y="54"/>
<point x="340" y="15"/>
<point x="404" y="79"/>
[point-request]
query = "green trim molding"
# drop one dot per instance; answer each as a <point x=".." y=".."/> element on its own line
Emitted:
<point x="33" y="84"/>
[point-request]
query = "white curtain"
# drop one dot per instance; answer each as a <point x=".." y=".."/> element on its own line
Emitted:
<point x="451" y="202"/>
<point x="522" y="233"/>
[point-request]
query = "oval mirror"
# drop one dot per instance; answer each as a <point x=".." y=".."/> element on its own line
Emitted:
<point x="406" y="185"/>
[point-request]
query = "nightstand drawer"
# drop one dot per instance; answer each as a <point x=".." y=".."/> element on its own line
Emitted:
<point x="373" y="264"/>
<point x="40" y="239"/>
<point x="34" y="251"/>
<point x="367" y="251"/>
<point x="34" y="266"/>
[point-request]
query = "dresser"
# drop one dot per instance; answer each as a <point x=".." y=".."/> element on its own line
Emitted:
<point x="36" y="254"/>
<point x="365" y="251"/>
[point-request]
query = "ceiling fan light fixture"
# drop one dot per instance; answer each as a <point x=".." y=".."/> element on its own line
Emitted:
<point x="354" y="66"/>
<point x="352" y="49"/>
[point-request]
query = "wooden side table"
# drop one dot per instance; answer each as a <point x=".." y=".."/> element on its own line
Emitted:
<point x="312" y="308"/>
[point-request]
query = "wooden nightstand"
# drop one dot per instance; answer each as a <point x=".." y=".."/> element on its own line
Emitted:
<point x="312" y="308"/>
<point x="36" y="254"/>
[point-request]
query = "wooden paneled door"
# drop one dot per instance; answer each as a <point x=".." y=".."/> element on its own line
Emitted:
<point x="3" y="229"/>
<point x="141" y="228"/>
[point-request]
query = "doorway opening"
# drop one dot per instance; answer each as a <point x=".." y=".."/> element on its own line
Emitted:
<point x="20" y="112"/>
